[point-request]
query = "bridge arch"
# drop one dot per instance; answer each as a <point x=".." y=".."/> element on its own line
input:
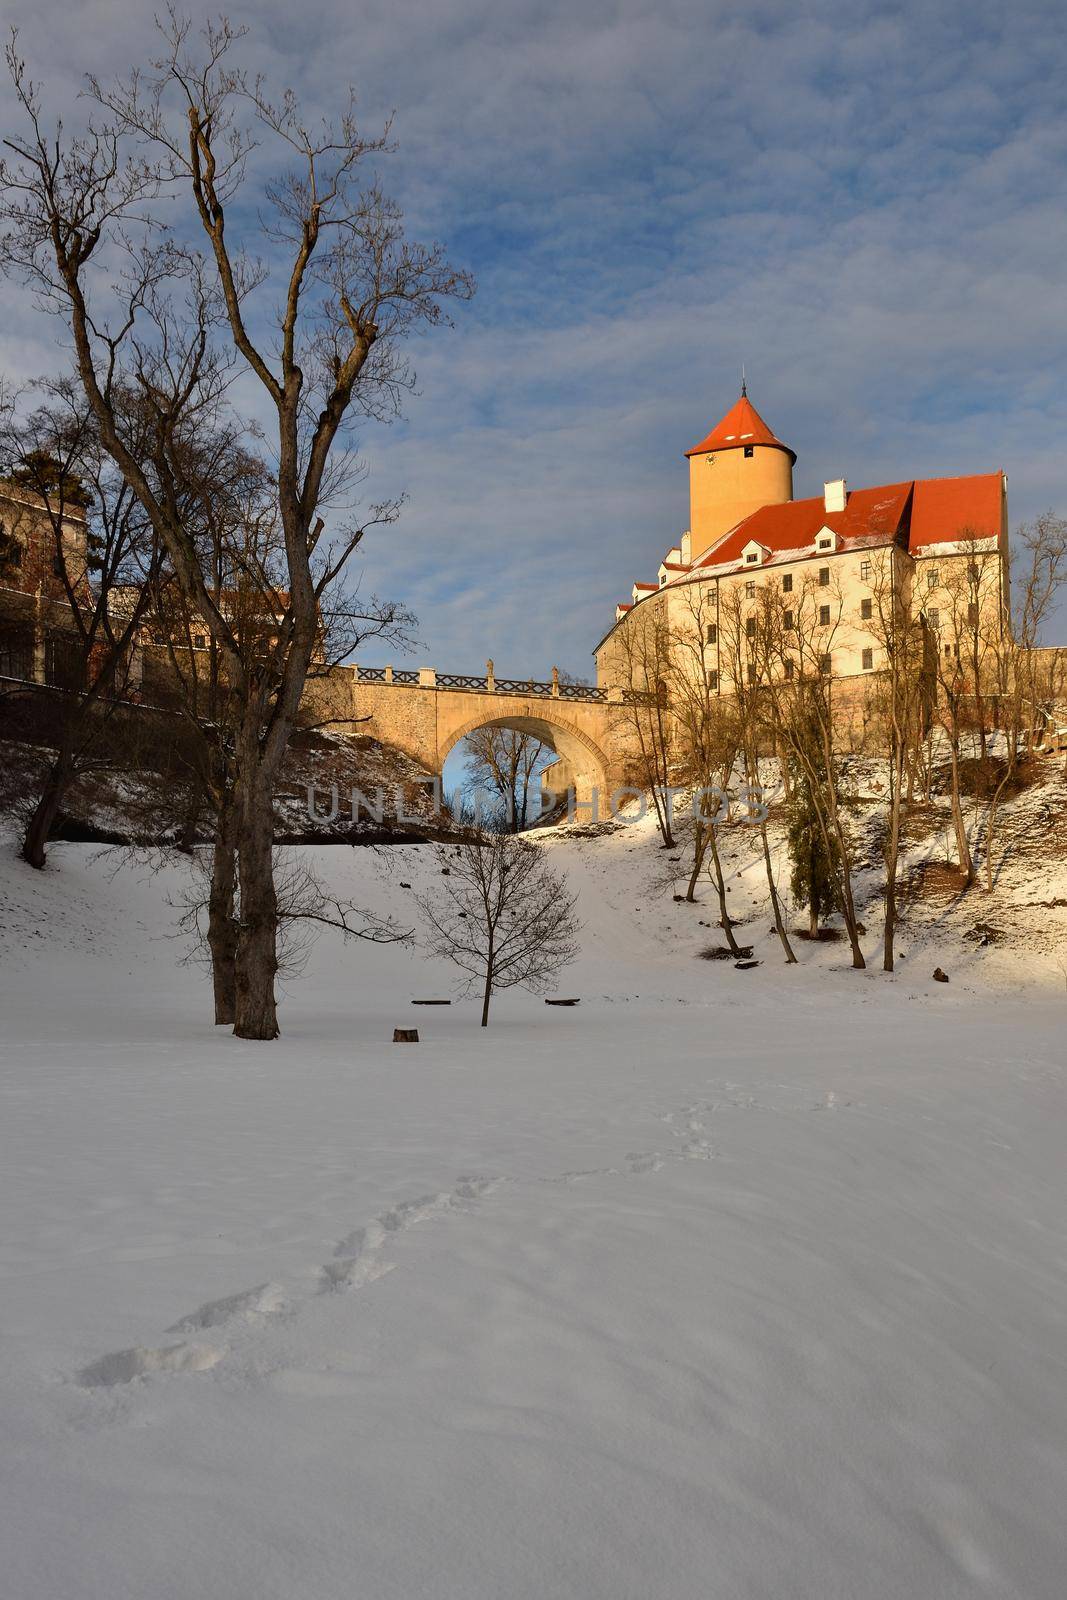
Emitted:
<point x="582" y="764"/>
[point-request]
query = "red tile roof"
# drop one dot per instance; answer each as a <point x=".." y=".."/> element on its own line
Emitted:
<point x="741" y="425"/>
<point x="945" y="509"/>
<point x="923" y="512"/>
<point x="874" y="515"/>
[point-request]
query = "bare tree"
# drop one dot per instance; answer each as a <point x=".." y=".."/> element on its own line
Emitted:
<point x="54" y="454"/>
<point x="354" y="287"/>
<point x="643" y="670"/>
<point x="800" y="689"/>
<point x="305" y="908"/>
<point x="751" y="658"/>
<point x="899" y="701"/>
<point x="967" y="627"/>
<point x="1039" y="576"/>
<point x="705" y="736"/>
<point x="506" y="760"/>
<point x="502" y="915"/>
<point x="229" y="507"/>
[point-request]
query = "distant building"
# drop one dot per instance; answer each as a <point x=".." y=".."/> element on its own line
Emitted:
<point x="940" y="544"/>
<point x="42" y="549"/>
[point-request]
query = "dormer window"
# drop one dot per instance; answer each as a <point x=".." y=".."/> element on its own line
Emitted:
<point x="825" y="539"/>
<point x="753" y="554"/>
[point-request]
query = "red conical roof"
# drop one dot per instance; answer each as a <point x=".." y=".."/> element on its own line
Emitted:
<point x="741" y="425"/>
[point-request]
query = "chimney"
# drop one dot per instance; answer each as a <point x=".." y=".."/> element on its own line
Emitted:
<point x="835" y="494"/>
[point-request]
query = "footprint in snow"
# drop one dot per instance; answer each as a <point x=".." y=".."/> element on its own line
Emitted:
<point x="123" y="1366"/>
<point x="357" y="1257"/>
<point x="265" y="1300"/>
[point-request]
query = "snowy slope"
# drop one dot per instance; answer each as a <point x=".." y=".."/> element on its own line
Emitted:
<point x="721" y="1284"/>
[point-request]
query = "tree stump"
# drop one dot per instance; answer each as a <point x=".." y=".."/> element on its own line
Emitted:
<point x="405" y="1035"/>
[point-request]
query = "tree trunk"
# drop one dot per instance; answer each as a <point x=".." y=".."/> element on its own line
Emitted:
<point x="963" y="848"/>
<point x="190" y="823"/>
<point x="813" y="922"/>
<point x="39" y="828"/>
<point x="779" y="921"/>
<point x="487" y="993"/>
<point x="991" y="824"/>
<point x="851" y="921"/>
<point x="892" y="853"/>
<point x="256" y="1014"/>
<point x="222" y="919"/>
<point x="720" y="889"/>
<point x="662" y="810"/>
<point x="700" y="845"/>
<point x="833" y="822"/>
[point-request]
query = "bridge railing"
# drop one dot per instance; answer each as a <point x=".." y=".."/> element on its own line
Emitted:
<point x="476" y="683"/>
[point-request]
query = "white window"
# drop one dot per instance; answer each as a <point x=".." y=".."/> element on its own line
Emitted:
<point x="751" y="557"/>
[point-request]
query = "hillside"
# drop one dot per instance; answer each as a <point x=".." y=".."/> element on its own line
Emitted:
<point x="119" y="802"/>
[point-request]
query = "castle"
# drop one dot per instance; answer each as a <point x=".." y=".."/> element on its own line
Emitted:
<point x="938" y="545"/>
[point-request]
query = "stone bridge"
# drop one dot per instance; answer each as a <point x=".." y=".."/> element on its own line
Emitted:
<point x="425" y="714"/>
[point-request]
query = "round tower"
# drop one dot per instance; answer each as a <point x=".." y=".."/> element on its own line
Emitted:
<point x="738" y="468"/>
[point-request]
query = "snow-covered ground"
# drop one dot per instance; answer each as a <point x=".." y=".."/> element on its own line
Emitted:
<point x="722" y="1284"/>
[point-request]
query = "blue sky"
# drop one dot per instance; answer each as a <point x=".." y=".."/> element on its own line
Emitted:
<point x="866" y="205"/>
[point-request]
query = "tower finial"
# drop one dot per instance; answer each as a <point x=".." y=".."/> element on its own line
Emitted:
<point x="744" y="385"/>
